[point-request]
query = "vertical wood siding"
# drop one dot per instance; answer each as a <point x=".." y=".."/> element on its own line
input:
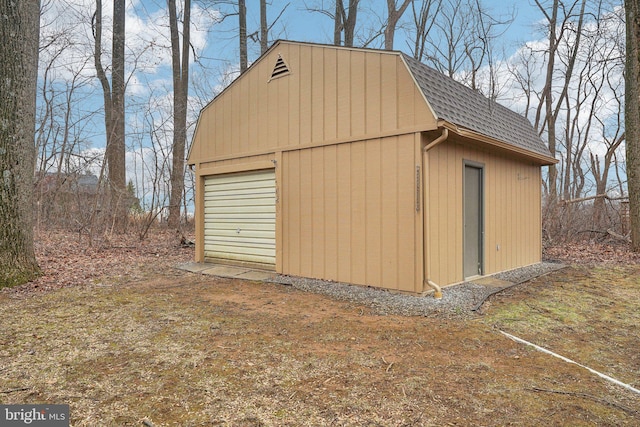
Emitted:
<point x="511" y="211"/>
<point x="330" y="95"/>
<point x="349" y="213"/>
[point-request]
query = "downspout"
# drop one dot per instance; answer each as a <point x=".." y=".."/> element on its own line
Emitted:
<point x="425" y="234"/>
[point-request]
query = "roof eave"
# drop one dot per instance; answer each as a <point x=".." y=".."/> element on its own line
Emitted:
<point x="544" y="160"/>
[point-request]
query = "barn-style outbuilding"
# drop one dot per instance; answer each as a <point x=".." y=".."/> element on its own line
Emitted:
<point x="366" y="167"/>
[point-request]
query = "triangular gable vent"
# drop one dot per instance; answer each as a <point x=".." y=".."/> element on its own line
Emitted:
<point x="281" y="69"/>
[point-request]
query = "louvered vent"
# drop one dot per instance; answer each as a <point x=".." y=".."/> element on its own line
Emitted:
<point x="280" y="69"/>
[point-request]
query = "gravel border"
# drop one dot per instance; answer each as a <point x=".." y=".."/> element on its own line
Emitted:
<point x="457" y="301"/>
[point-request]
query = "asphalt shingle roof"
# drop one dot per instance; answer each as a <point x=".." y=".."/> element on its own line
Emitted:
<point x="466" y="108"/>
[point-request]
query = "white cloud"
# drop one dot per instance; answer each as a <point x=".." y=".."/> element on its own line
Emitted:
<point x="68" y="39"/>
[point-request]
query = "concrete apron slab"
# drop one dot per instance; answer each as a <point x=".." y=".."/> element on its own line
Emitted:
<point x="227" y="271"/>
<point x="492" y="282"/>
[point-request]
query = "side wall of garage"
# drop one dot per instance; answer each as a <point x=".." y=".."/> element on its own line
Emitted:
<point x="512" y="210"/>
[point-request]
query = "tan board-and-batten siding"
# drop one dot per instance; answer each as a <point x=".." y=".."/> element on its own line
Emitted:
<point x="349" y="213"/>
<point x="331" y="95"/>
<point x="357" y="200"/>
<point x="512" y="215"/>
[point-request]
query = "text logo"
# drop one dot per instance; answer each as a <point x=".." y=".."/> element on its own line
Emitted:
<point x="34" y="415"/>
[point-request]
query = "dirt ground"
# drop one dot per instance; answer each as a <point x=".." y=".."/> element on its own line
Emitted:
<point x="137" y="342"/>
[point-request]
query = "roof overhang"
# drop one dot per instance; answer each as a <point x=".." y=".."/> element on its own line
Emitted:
<point x="542" y="159"/>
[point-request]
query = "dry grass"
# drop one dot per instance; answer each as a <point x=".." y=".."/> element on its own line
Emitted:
<point x="178" y="349"/>
<point x="587" y="314"/>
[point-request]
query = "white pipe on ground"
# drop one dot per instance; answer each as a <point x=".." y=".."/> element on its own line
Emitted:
<point x="593" y="371"/>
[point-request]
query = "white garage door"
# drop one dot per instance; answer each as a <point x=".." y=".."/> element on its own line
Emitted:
<point x="240" y="218"/>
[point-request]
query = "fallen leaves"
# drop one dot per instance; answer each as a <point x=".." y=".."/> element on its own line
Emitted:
<point x="592" y="253"/>
<point x="68" y="259"/>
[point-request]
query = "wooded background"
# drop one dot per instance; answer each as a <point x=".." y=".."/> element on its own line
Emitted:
<point x="567" y="78"/>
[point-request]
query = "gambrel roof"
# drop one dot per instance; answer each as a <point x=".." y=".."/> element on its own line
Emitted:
<point x="466" y="108"/>
<point x="451" y="104"/>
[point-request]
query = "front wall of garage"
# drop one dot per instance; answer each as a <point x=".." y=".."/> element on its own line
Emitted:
<point x="349" y="213"/>
<point x="331" y="95"/>
<point x="512" y="211"/>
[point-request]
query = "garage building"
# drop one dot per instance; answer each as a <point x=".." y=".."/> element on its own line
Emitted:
<point x="366" y="167"/>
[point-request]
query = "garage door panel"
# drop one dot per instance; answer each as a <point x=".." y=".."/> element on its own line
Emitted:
<point x="240" y="217"/>
<point x="245" y="235"/>
<point x="241" y="177"/>
<point x="234" y="190"/>
<point x="240" y="196"/>
<point x="265" y="204"/>
<point x="246" y="185"/>
<point x="226" y="257"/>
<point x="247" y="211"/>
<point x="247" y="245"/>
<point x="238" y="250"/>
<point x="232" y="233"/>
<point x="223" y="221"/>
<point x="247" y="225"/>
<point x="241" y="188"/>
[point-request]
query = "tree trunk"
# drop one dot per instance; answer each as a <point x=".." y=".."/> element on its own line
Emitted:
<point x="632" y="117"/>
<point x="264" y="27"/>
<point x="242" y="18"/>
<point x="423" y="23"/>
<point x="97" y="62"/>
<point x="337" y="23"/>
<point x="113" y="95"/>
<point x="116" y="148"/>
<point x="392" y="21"/>
<point x="19" y="33"/>
<point x="180" y="97"/>
<point x="349" y="21"/>
<point x="548" y="104"/>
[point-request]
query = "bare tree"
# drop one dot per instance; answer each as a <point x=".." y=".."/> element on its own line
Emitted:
<point x="264" y="27"/>
<point x="394" y="13"/>
<point x="113" y="95"/>
<point x="61" y="126"/>
<point x="632" y="116"/>
<point x="180" y="67"/>
<point x="460" y="43"/>
<point x="607" y="111"/>
<point x="242" y="35"/>
<point x="553" y="106"/>
<point x="344" y="20"/>
<point x="19" y="33"/>
<point x="422" y="23"/>
<point x="261" y="35"/>
<point x="152" y="162"/>
<point x="337" y="23"/>
<point x="349" y="17"/>
<point x="578" y="107"/>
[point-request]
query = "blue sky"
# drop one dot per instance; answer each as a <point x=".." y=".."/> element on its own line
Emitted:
<point x="297" y="23"/>
<point x="149" y="88"/>
<point x="216" y="45"/>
